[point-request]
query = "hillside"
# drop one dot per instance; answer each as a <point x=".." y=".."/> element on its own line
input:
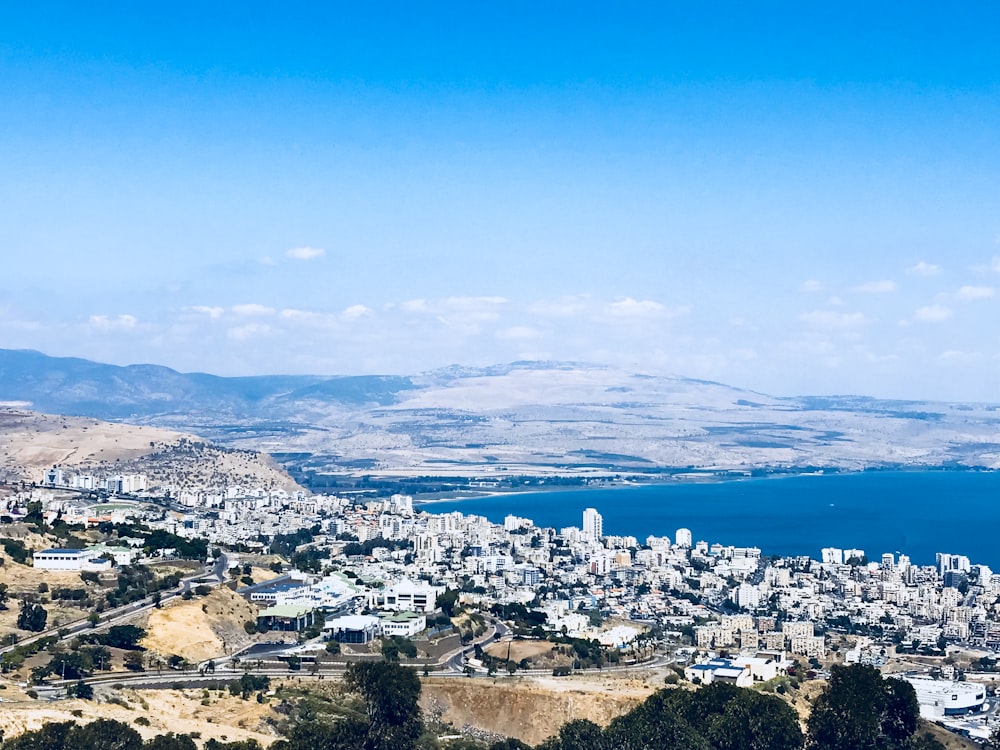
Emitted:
<point x="521" y="418"/>
<point x="31" y="443"/>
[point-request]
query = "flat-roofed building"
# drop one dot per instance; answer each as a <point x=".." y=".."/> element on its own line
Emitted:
<point x="353" y="628"/>
<point x="285" y="617"/>
<point x="939" y="698"/>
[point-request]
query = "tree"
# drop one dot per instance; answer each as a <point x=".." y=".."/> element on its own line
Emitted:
<point x="80" y="690"/>
<point x="862" y="711"/>
<point x="4" y="596"/>
<point x="390" y="693"/>
<point x="32" y="617"/>
<point x="105" y="734"/>
<point x="133" y="661"/>
<point x="123" y="636"/>
<point x="580" y="734"/>
<point x="447" y="601"/>
<point x="170" y="742"/>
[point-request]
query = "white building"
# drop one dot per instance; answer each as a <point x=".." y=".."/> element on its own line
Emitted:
<point x="719" y="670"/>
<point x="69" y="559"/>
<point x="406" y="595"/>
<point x="939" y="698"/>
<point x="683" y="538"/>
<point x="402" y="624"/>
<point x="832" y="556"/>
<point x="593" y="524"/>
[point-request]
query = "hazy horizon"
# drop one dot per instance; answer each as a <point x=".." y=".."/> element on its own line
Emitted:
<point x="790" y="200"/>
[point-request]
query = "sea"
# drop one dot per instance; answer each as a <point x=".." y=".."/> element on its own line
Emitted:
<point x="917" y="513"/>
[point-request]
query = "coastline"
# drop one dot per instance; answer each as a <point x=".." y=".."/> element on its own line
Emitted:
<point x="688" y="479"/>
<point x="918" y="512"/>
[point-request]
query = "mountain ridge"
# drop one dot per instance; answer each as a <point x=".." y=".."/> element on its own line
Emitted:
<point x="523" y="416"/>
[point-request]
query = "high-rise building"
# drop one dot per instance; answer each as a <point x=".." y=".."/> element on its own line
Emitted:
<point x="683" y="538"/>
<point x="593" y="524"/>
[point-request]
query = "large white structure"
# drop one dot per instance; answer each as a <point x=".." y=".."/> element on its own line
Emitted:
<point x="939" y="698"/>
<point x="593" y="524"/>
<point x="683" y="538"/>
<point x="69" y="559"/>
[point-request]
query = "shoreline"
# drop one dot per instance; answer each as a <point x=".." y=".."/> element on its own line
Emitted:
<point x="878" y="511"/>
<point x="688" y="479"/>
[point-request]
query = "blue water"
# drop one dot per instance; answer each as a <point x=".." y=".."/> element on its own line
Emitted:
<point x="916" y="513"/>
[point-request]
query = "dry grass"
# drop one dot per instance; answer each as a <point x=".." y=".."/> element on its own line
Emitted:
<point x="225" y="718"/>
<point x="201" y="628"/>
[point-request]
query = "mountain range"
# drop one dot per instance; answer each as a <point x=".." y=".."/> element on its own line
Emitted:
<point x="523" y="417"/>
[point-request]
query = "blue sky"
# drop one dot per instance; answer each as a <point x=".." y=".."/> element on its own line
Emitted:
<point x="789" y="197"/>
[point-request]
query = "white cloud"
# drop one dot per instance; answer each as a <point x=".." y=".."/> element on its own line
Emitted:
<point x="833" y="319"/>
<point x="113" y="323"/>
<point x="252" y="309"/>
<point x="209" y="310"/>
<point x="305" y="253"/>
<point x="811" y="285"/>
<point x="356" y="311"/>
<point x="519" y="333"/>
<point x="995" y="263"/>
<point x="627" y="307"/>
<point x="877" y="287"/>
<point x="561" y="307"/>
<point x="932" y="314"/>
<point x="967" y="293"/>
<point x="267" y="260"/>
<point x="957" y="357"/>
<point x="299" y="316"/>
<point x="242" y="333"/>
<point x="415" y="306"/>
<point x="924" y="268"/>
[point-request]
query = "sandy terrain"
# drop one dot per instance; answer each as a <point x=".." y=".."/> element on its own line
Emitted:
<point x="225" y="718"/>
<point x="37" y="442"/>
<point x="23" y="579"/>
<point x="201" y="628"/>
<point x="533" y="709"/>
<point x="519" y="649"/>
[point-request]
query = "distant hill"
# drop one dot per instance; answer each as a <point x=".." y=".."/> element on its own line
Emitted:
<point x="31" y="443"/>
<point x="79" y="387"/>
<point x="522" y="417"/>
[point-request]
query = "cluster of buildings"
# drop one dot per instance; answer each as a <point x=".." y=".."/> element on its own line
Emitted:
<point x="744" y="612"/>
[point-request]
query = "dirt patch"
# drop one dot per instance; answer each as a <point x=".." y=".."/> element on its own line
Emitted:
<point x="201" y="628"/>
<point x="224" y="718"/>
<point x="532" y="710"/>
<point x="519" y="650"/>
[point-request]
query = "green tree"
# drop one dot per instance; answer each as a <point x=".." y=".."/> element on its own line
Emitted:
<point x="32" y="617"/>
<point x="580" y="734"/>
<point x="80" y="690"/>
<point x="390" y="693"/>
<point x="133" y="661"/>
<point x="861" y="711"/>
<point x="105" y="734"/>
<point x="170" y="742"/>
